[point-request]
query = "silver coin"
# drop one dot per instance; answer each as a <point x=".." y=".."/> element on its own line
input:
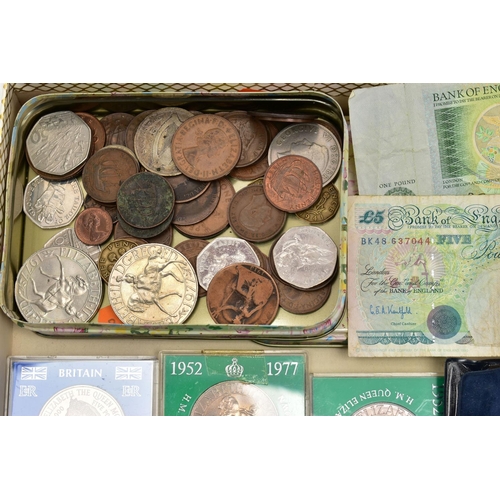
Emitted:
<point x="58" y="285"/>
<point x="383" y="410"/>
<point x="305" y="256"/>
<point x="152" y="284"/>
<point x="153" y="139"/>
<point x="234" y="399"/>
<point x="312" y="141"/>
<point x="221" y="253"/>
<point x="82" y="401"/>
<point x="51" y="204"/>
<point x="59" y="142"/>
<point x="67" y="238"/>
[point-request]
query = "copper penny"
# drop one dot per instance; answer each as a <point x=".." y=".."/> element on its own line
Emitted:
<point x="97" y="130"/>
<point x="206" y="147"/>
<point x="186" y="189"/>
<point x="115" y="125"/>
<point x="252" y="172"/>
<point x="106" y="171"/>
<point x="253" y="135"/>
<point x="89" y="202"/>
<point x="190" y="249"/>
<point x="164" y="238"/>
<point x="243" y="294"/>
<point x="198" y="209"/>
<point x="110" y="254"/>
<point x="253" y="217"/>
<point x="217" y="221"/>
<point x="120" y="234"/>
<point x="133" y="126"/>
<point x="145" y="233"/>
<point x="263" y="258"/>
<point x="145" y="200"/>
<point x="302" y="301"/>
<point x="292" y="183"/>
<point x="93" y="226"/>
<point x="325" y="207"/>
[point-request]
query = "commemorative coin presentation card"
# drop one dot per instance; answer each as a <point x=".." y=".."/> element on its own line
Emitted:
<point x="398" y="395"/>
<point x="424" y="276"/>
<point x="238" y="384"/>
<point x="62" y="387"/>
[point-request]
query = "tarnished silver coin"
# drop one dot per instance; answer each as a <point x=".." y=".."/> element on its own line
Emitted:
<point x="313" y="141"/>
<point x="305" y="256"/>
<point x="67" y="238"/>
<point x="58" y="142"/>
<point x="153" y="139"/>
<point x="234" y="399"/>
<point x="152" y="284"/>
<point x="383" y="410"/>
<point x="51" y="204"/>
<point x="221" y="253"/>
<point x="58" y="285"/>
<point x="82" y="401"/>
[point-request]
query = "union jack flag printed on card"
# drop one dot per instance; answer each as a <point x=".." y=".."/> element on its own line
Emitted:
<point x="33" y="373"/>
<point x="82" y="386"/>
<point x="128" y="373"/>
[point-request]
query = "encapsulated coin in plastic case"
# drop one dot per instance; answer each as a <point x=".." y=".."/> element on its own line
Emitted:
<point x="233" y="383"/>
<point x="82" y="386"/>
<point x="378" y="395"/>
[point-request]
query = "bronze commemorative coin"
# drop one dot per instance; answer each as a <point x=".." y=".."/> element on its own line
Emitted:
<point x="106" y="171"/>
<point x="206" y="147"/>
<point x="186" y="189"/>
<point x="145" y="200"/>
<point x="253" y="135"/>
<point x="115" y="125"/>
<point x="218" y="220"/>
<point x="198" y="209"/>
<point x="325" y="207"/>
<point x="93" y="226"/>
<point x="110" y="253"/>
<point x="292" y="183"/>
<point x="253" y="217"/>
<point x="242" y="294"/>
<point x="97" y="130"/>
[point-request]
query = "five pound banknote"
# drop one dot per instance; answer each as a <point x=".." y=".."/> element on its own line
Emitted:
<point x="424" y="276"/>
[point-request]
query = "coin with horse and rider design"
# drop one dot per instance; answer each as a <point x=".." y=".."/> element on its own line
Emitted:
<point x="152" y="284"/>
<point x="58" y="285"/>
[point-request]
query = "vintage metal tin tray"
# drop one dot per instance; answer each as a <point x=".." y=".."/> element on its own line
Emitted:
<point x="23" y="237"/>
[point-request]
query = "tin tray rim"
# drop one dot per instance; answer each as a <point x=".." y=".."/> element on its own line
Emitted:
<point x="38" y="104"/>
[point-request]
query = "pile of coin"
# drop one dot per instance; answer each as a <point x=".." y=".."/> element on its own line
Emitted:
<point x="129" y="181"/>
